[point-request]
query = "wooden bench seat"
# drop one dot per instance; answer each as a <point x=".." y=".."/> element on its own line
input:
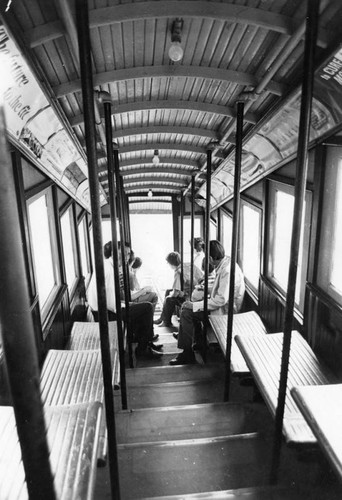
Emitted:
<point x="85" y="335"/>
<point x="71" y="377"/>
<point x="321" y="407"/>
<point x="263" y="356"/>
<point x="72" y="433"/>
<point x="248" y="323"/>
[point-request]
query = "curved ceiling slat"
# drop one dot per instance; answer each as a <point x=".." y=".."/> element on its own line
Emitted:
<point x="163" y="171"/>
<point x="201" y="107"/>
<point x="165" y="129"/>
<point x="151" y="10"/>
<point x="164" y="71"/>
<point x="151" y="146"/>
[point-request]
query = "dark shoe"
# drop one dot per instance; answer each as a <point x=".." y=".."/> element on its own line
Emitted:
<point x="148" y="353"/>
<point x="157" y="321"/>
<point x="184" y="358"/>
<point x="156" y="347"/>
<point x="155" y="337"/>
<point x="175" y="336"/>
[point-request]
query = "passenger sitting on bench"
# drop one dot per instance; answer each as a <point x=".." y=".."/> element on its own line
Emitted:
<point x="138" y="293"/>
<point x="190" y="326"/>
<point x="176" y="297"/>
<point x="198" y="252"/>
<point x="140" y="315"/>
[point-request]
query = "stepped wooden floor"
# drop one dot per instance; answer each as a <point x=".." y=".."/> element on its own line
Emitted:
<point x="178" y="438"/>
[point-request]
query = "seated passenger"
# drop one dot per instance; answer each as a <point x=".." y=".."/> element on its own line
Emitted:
<point x="198" y="292"/>
<point x="140" y="315"/>
<point x="138" y="293"/>
<point x="176" y="297"/>
<point x="190" y="326"/>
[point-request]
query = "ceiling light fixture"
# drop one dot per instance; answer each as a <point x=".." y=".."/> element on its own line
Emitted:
<point x="176" y="51"/>
<point x="150" y="193"/>
<point x="155" y="159"/>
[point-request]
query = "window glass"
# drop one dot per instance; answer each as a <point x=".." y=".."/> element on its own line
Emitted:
<point x="250" y="247"/>
<point x="68" y="248"/>
<point x="336" y="265"/>
<point x="187" y="235"/>
<point x="227" y="227"/>
<point x="41" y="247"/>
<point x="212" y="230"/>
<point x="83" y="247"/>
<point x="281" y="219"/>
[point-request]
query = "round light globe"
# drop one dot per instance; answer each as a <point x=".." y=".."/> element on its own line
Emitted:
<point x="176" y="52"/>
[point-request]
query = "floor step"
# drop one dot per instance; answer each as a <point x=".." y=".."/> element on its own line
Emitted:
<point x="192" y="466"/>
<point x="257" y="493"/>
<point x="173" y="394"/>
<point x="160" y="374"/>
<point x="187" y="422"/>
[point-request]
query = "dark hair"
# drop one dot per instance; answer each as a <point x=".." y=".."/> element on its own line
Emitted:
<point x="198" y="244"/>
<point x="216" y="250"/>
<point x="137" y="263"/>
<point x="173" y="258"/>
<point x="131" y="257"/>
<point x="107" y="250"/>
<point x="211" y="265"/>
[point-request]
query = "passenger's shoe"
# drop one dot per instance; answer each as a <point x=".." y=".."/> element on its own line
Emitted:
<point x="156" y="347"/>
<point x="184" y="358"/>
<point x="155" y="337"/>
<point x="175" y="336"/>
<point x="148" y="353"/>
<point x="157" y="321"/>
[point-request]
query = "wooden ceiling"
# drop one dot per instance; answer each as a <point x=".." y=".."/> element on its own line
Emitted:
<point x="176" y="108"/>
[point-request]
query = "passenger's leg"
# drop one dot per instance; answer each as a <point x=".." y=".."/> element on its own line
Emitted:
<point x="141" y="324"/>
<point x="185" y="337"/>
<point x="168" y="309"/>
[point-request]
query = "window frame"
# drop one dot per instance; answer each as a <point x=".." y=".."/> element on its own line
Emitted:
<point x="47" y="306"/>
<point x="70" y="207"/>
<point x="257" y="207"/>
<point x="273" y="186"/>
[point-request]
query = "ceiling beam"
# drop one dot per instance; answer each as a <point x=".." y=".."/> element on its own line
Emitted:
<point x="152" y="179"/>
<point x="165" y="71"/>
<point x="163" y="9"/>
<point x="155" y="105"/>
<point x="151" y="170"/>
<point x="165" y="129"/>
<point x="151" y="146"/>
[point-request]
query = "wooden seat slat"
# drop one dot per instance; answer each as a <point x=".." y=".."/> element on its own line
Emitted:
<point x="263" y="357"/>
<point x="321" y="407"/>
<point x="248" y="323"/>
<point x="86" y="335"/>
<point x="72" y="377"/>
<point x="73" y="435"/>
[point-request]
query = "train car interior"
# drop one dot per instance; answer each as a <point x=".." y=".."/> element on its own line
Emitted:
<point x="171" y="272"/>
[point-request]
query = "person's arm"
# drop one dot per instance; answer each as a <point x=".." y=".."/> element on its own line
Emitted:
<point x="221" y="295"/>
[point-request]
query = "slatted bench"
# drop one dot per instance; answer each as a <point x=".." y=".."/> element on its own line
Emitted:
<point x="321" y="407"/>
<point x="71" y="377"/>
<point x="263" y="356"/>
<point x="72" y="433"/>
<point x="248" y="323"/>
<point x="86" y="335"/>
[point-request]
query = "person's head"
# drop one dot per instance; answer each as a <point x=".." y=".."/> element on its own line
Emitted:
<point x="107" y="250"/>
<point x="216" y="252"/>
<point x="198" y="244"/>
<point x="137" y="263"/>
<point x="127" y="251"/>
<point x="173" y="258"/>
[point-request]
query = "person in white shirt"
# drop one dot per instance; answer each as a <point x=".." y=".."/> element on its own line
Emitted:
<point x="190" y="325"/>
<point x="175" y="296"/>
<point x="198" y="252"/>
<point x="140" y="315"/>
<point x="139" y="293"/>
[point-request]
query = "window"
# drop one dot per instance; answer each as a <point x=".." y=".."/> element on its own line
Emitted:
<point x="227" y="228"/>
<point x="82" y="236"/>
<point x="40" y="232"/>
<point x="250" y="238"/>
<point x="281" y="197"/>
<point x="69" y="247"/>
<point x="212" y="230"/>
<point x="329" y="275"/>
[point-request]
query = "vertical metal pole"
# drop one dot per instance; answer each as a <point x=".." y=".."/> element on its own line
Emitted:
<point x="111" y="185"/>
<point x="89" y="124"/>
<point x="182" y="241"/>
<point x="119" y="192"/>
<point x="192" y="233"/>
<point x="206" y="245"/>
<point x="301" y="174"/>
<point x="235" y="234"/>
<point x="18" y="337"/>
